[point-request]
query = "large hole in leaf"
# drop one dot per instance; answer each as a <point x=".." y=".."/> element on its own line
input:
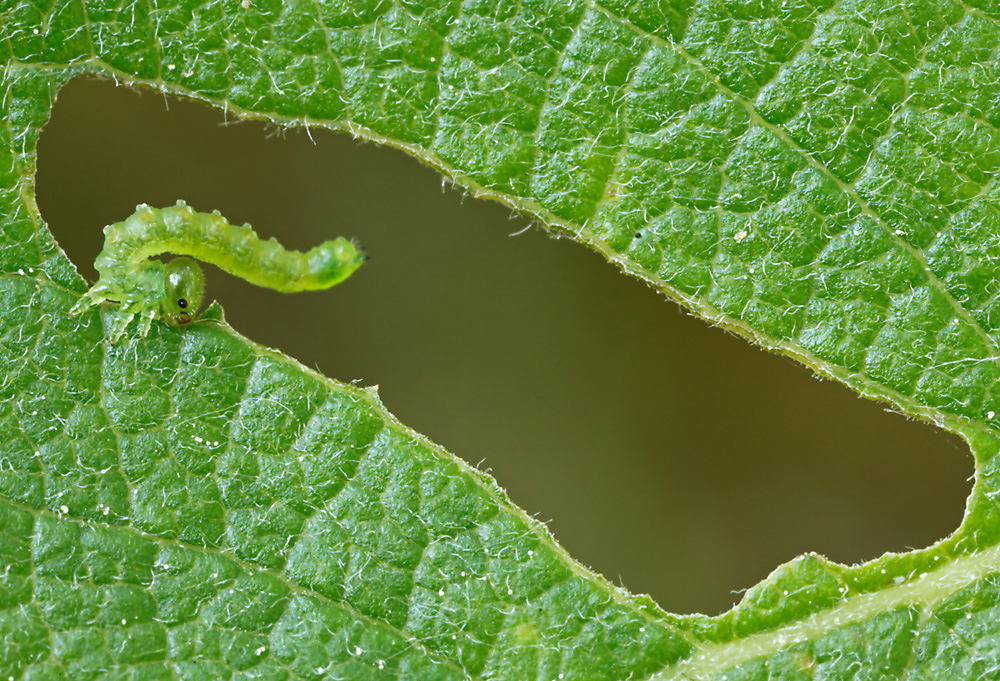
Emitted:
<point x="670" y="456"/>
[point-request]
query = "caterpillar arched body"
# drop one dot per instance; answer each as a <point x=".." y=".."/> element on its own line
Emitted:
<point x="173" y="291"/>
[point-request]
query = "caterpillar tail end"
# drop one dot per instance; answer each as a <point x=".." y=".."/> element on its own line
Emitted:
<point x="333" y="261"/>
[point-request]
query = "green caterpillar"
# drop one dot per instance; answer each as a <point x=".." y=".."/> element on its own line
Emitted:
<point x="173" y="291"/>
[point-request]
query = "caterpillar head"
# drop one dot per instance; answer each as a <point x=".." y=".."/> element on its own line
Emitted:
<point x="183" y="291"/>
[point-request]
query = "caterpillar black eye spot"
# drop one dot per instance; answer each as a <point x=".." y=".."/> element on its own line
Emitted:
<point x="638" y="235"/>
<point x="183" y="290"/>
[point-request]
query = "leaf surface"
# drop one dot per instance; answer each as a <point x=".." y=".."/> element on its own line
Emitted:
<point x="818" y="177"/>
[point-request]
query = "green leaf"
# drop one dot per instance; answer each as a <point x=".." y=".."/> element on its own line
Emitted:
<point x="818" y="178"/>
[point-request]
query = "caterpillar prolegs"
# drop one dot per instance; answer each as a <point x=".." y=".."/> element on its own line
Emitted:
<point x="173" y="291"/>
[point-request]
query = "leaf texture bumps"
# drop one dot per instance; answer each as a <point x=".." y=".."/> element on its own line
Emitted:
<point x="190" y="529"/>
<point x="817" y="176"/>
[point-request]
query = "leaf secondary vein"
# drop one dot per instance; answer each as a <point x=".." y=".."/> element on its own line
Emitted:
<point x="249" y="568"/>
<point x="848" y="189"/>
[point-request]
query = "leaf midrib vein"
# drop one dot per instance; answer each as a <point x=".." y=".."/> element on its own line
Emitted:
<point x="923" y="593"/>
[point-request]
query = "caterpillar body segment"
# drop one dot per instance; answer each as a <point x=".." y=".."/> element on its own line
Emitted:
<point x="173" y="291"/>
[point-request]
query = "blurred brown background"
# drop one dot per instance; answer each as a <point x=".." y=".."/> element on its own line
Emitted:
<point x="672" y="457"/>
